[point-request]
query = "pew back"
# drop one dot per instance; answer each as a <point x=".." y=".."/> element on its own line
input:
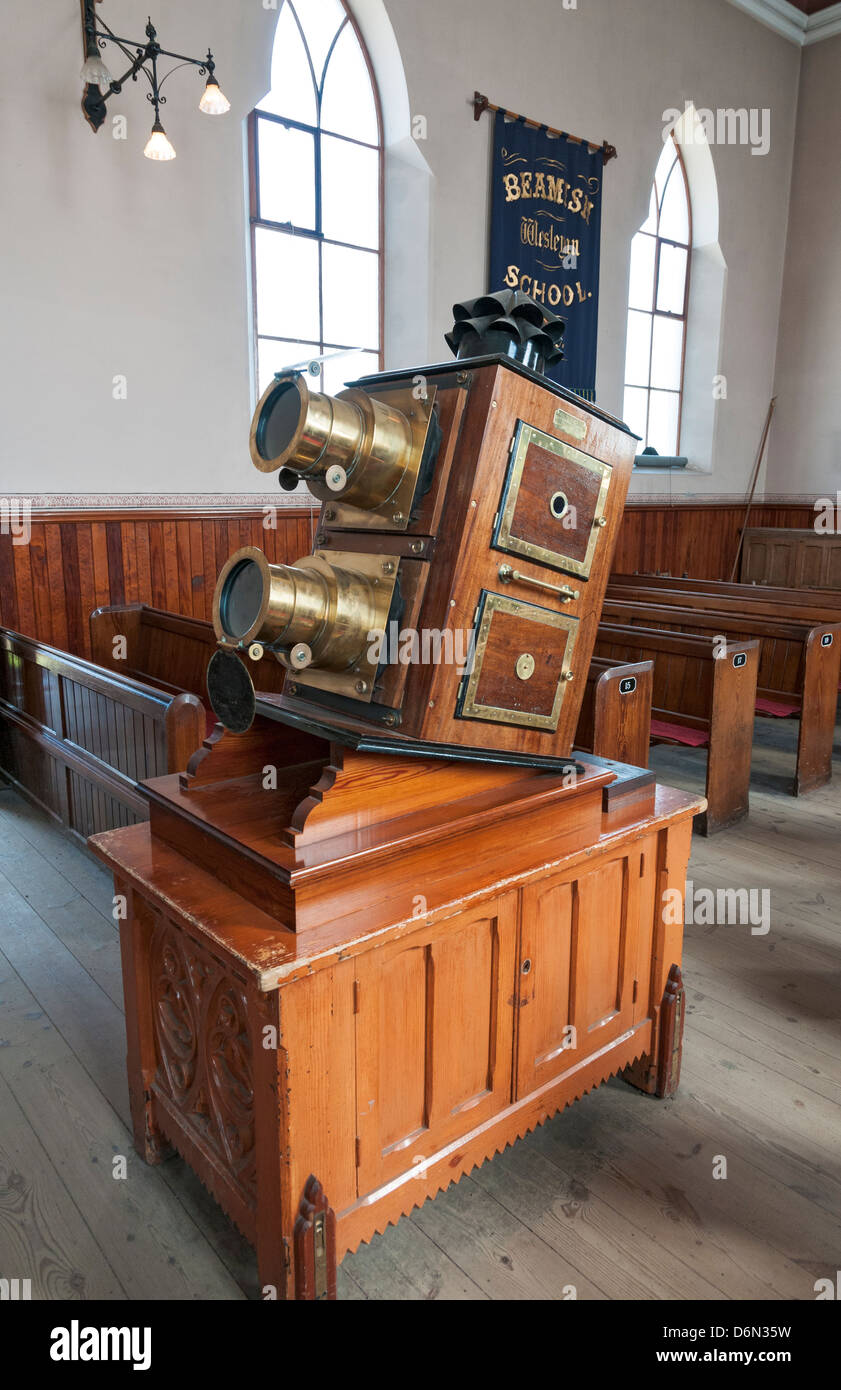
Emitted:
<point x="800" y="661"/>
<point x="615" y="718"/>
<point x="76" y="739"/>
<point x="165" y="649"/>
<point x="824" y="603"/>
<point x="699" y="697"/>
<point x="159" y="647"/>
<point x="751" y="603"/>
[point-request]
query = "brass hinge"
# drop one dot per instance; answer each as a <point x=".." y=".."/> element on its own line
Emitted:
<point x="356" y="996"/>
<point x="636" y="987"/>
<point x="358" y="1153"/>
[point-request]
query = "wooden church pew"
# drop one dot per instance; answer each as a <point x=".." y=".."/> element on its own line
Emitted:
<point x="76" y="739"/>
<point x="823" y="605"/>
<point x="615" y="718"/>
<point x="152" y="645"/>
<point x="799" y="669"/>
<point x="749" y="600"/>
<point x="698" y="700"/>
<point x="164" y="649"/>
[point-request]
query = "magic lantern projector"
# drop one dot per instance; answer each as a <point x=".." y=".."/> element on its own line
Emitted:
<point x="468" y="519"/>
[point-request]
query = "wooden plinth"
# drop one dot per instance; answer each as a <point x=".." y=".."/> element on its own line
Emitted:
<point x="351" y="978"/>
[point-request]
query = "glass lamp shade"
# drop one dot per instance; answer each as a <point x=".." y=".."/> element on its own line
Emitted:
<point x="95" y="74"/>
<point x="158" y="146"/>
<point x="214" y="102"/>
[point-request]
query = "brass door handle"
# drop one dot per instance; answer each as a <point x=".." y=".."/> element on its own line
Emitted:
<point x="507" y="575"/>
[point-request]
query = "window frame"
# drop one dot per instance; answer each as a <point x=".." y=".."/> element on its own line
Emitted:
<point x="654" y="312"/>
<point x="317" y="235"/>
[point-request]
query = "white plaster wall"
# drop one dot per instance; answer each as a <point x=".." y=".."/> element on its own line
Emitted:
<point x="805" y="444"/>
<point x="111" y="264"/>
<point x="608" y="70"/>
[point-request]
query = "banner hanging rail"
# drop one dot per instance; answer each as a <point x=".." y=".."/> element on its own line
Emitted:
<point x="481" y="104"/>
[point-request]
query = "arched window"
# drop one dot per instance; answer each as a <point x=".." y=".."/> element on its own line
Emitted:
<point x="316" y="171"/>
<point x="657" y="304"/>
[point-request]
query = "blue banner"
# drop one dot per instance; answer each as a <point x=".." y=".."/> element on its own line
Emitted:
<point x="546" y="218"/>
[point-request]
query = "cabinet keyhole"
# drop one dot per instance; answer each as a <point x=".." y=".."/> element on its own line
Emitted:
<point x="526" y="967"/>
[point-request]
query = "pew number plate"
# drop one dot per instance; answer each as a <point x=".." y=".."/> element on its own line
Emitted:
<point x="827" y="639"/>
<point x="740" y="659"/>
<point x="628" y="685"/>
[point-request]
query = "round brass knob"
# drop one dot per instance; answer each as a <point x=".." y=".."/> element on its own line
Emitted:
<point x="600" y="521"/>
<point x="300" y="657"/>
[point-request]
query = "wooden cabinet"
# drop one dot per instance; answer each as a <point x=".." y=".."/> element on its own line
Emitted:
<point x="579" y="962"/>
<point x="463" y="1019"/>
<point x="434" y="1038"/>
<point x="428" y="961"/>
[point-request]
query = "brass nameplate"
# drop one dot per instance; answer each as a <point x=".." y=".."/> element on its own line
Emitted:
<point x="570" y="424"/>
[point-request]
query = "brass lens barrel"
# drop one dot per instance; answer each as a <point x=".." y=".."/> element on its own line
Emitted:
<point x="328" y="609"/>
<point x="351" y="447"/>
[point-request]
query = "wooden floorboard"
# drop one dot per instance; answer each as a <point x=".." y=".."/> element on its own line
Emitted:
<point x="614" y="1199"/>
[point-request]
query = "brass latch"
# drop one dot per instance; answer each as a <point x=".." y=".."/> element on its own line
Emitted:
<point x="319" y="1233"/>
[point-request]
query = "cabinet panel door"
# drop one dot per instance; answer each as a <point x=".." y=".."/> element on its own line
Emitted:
<point x="434" y="1038"/>
<point x="578" y="964"/>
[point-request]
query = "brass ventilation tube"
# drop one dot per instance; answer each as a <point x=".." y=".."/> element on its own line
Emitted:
<point x="312" y="614"/>
<point x="350" y="448"/>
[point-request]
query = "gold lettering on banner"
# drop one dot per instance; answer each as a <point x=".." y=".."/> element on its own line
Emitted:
<point x="547" y="238"/>
<point x="553" y="295"/>
<point x="548" y="188"/>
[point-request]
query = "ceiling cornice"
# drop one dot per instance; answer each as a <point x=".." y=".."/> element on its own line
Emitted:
<point x="792" y="23"/>
<point x="824" y="25"/>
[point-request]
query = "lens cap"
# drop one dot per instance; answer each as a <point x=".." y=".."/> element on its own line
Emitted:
<point x="230" y="690"/>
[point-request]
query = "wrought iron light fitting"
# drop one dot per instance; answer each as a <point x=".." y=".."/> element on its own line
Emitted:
<point x="143" y="58"/>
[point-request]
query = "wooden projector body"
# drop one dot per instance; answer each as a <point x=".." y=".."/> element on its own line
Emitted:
<point x="452" y="600"/>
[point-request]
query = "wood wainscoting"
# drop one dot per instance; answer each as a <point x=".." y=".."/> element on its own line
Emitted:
<point x="698" y="539"/>
<point x="169" y="558"/>
<point x="78" y="561"/>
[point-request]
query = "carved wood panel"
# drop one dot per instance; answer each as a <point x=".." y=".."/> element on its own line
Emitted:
<point x="203" y="1050"/>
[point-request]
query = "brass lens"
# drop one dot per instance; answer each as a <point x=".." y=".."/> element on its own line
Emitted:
<point x="366" y="442"/>
<point x="241" y="599"/>
<point x="329" y="609"/>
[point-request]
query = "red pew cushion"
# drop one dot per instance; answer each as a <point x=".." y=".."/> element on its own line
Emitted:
<point x="778" y="709"/>
<point x="694" y="738"/>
